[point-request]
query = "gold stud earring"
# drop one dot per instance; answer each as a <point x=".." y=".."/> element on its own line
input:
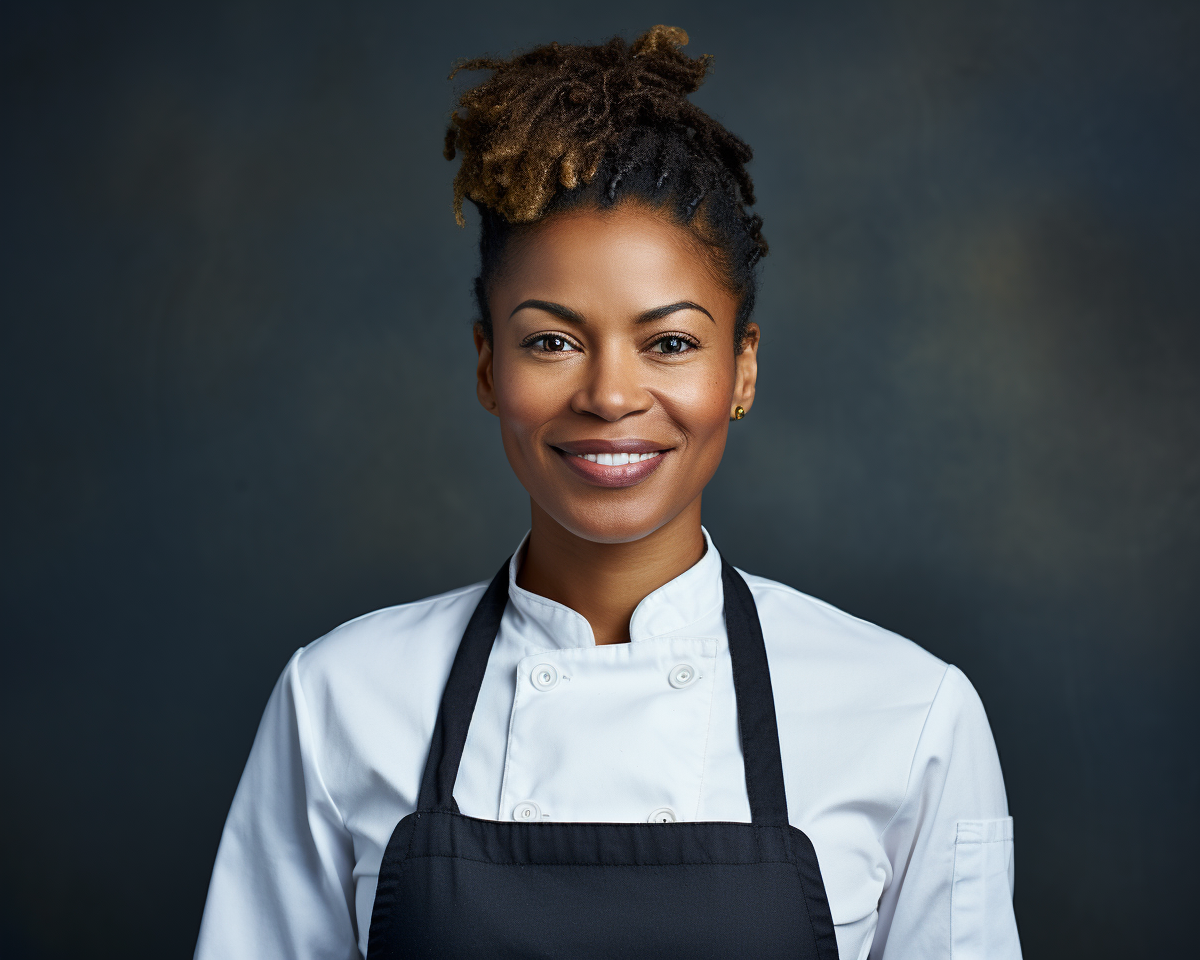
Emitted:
<point x="738" y="413"/>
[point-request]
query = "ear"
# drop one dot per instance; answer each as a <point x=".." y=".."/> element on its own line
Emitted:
<point x="746" y="370"/>
<point x="485" y="386"/>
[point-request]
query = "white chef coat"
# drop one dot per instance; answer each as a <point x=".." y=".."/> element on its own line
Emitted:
<point x="888" y="761"/>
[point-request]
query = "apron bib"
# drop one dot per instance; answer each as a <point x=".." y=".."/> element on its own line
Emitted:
<point x="452" y="886"/>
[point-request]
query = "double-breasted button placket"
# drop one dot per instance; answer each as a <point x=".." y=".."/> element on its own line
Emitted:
<point x="578" y="711"/>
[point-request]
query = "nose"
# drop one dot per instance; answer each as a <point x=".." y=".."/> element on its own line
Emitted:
<point x="612" y="387"/>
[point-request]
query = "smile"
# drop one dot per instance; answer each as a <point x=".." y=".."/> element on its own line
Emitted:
<point x="617" y="459"/>
<point x="612" y="463"/>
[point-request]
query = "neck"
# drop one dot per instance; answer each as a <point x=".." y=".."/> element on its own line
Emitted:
<point x="604" y="582"/>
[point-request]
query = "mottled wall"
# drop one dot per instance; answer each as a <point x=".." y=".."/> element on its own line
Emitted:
<point x="238" y="405"/>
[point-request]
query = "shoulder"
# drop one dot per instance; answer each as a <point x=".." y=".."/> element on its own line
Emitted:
<point x="864" y="692"/>
<point x="394" y="642"/>
<point x="852" y="699"/>
<point x="858" y="655"/>
<point x="866" y="720"/>
<point x="355" y="708"/>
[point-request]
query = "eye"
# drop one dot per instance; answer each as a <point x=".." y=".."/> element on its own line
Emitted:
<point x="672" y="344"/>
<point x="550" y="343"/>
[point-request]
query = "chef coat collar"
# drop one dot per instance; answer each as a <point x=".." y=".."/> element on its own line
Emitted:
<point x="673" y="608"/>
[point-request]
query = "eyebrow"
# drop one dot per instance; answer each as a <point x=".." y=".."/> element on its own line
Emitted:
<point x="563" y="313"/>
<point x="648" y="316"/>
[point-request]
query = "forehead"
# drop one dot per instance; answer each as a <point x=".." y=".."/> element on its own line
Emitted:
<point x="628" y="258"/>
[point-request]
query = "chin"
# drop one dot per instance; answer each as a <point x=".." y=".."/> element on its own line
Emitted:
<point x="610" y="524"/>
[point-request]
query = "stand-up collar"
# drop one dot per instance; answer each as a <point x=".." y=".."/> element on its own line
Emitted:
<point x="674" y="608"/>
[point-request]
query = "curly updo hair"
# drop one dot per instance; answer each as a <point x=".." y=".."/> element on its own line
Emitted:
<point x="566" y="126"/>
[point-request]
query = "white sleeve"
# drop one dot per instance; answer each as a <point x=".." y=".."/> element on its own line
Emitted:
<point x="950" y="843"/>
<point x="282" y="886"/>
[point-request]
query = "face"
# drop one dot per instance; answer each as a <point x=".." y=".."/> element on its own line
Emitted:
<point x="612" y="370"/>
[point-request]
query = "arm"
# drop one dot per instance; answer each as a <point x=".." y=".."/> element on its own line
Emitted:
<point x="282" y="884"/>
<point x="950" y="843"/>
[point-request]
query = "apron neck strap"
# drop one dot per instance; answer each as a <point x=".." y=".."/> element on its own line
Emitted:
<point x="755" y="702"/>
<point x="751" y="684"/>
<point x="459" y="697"/>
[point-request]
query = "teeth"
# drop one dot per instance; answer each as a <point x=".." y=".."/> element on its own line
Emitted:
<point x="617" y="459"/>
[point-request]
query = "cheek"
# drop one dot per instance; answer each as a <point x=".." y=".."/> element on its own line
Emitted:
<point x="701" y="404"/>
<point x="526" y="399"/>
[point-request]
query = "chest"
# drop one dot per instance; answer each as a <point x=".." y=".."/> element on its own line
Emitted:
<point x="443" y="871"/>
<point x="607" y="734"/>
<point x="623" y="734"/>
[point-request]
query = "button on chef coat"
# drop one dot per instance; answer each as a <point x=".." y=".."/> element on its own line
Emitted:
<point x="889" y="764"/>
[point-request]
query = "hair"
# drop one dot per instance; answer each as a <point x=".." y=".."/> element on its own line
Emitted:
<point x="567" y="126"/>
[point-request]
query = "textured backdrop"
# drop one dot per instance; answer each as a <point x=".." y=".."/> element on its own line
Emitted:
<point x="238" y="403"/>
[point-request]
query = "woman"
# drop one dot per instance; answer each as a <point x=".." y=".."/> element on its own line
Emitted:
<point x="621" y="746"/>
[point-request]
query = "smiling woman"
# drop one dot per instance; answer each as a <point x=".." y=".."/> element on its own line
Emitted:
<point x="621" y="746"/>
<point x="610" y="338"/>
<point x="603" y="349"/>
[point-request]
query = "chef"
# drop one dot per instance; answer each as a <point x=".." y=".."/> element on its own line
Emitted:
<point x="622" y="745"/>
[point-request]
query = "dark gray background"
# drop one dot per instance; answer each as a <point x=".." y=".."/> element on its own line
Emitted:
<point x="238" y="402"/>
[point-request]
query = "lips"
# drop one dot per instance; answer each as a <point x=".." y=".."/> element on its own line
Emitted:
<point x="612" y="463"/>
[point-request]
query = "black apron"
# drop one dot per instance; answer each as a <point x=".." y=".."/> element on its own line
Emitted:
<point x="457" y="887"/>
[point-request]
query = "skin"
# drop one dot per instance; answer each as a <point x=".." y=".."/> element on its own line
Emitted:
<point x="598" y="357"/>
